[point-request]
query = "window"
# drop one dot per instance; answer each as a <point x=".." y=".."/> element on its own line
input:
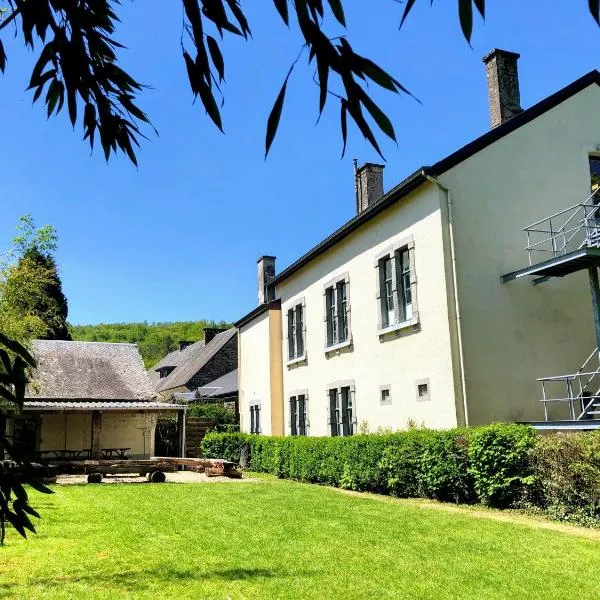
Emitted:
<point x="385" y="397"/>
<point x="595" y="171"/>
<point x="165" y="372"/>
<point x="255" y="418"/>
<point x="298" y="414"/>
<point x="336" y="312"/>
<point x="296" y="332"/>
<point x="342" y="419"/>
<point x="423" y="390"/>
<point x="396" y="287"/>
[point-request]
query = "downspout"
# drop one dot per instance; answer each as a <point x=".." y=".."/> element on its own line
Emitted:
<point x="461" y="363"/>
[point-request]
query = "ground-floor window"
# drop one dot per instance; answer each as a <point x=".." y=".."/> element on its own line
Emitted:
<point x="342" y="417"/>
<point x="255" y="418"/>
<point x="299" y="414"/>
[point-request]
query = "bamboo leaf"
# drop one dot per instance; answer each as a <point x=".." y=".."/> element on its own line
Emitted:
<point x="407" y="8"/>
<point x="595" y="10"/>
<point x="282" y="9"/>
<point x="480" y="4"/>
<point x="465" y="14"/>
<point x="344" y="123"/>
<point x="216" y="56"/>
<point x="275" y="116"/>
<point x="338" y="10"/>
<point x="323" y="70"/>
<point x="2" y="57"/>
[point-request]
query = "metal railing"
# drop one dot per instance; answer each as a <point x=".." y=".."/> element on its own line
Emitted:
<point x="570" y="229"/>
<point x="582" y="388"/>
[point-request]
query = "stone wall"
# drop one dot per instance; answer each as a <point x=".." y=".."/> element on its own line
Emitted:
<point x="225" y="361"/>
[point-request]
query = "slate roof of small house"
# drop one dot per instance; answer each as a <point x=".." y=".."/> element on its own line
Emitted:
<point x="89" y="371"/>
<point x="196" y="357"/>
<point x="104" y="406"/>
<point x="174" y="359"/>
<point x="223" y="387"/>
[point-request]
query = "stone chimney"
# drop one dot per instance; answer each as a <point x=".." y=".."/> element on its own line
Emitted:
<point x="183" y="344"/>
<point x="211" y="332"/>
<point x="503" y="85"/>
<point x="266" y="272"/>
<point x="368" y="183"/>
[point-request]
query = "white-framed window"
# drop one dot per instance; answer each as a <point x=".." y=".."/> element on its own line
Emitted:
<point x="396" y="292"/>
<point x="255" y="417"/>
<point x="296" y="331"/>
<point x="337" y="311"/>
<point x="342" y="412"/>
<point x="298" y="421"/>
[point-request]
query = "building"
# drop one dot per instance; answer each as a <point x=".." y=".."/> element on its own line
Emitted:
<point x="418" y="309"/>
<point x="88" y="400"/>
<point x="196" y="364"/>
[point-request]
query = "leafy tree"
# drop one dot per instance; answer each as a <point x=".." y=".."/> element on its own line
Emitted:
<point x="154" y="340"/>
<point x="32" y="303"/>
<point x="15" y="361"/>
<point x="78" y="62"/>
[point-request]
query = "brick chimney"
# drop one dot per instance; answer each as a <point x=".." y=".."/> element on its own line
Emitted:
<point x="211" y="332"/>
<point x="368" y="183"/>
<point x="503" y="85"/>
<point x="266" y="272"/>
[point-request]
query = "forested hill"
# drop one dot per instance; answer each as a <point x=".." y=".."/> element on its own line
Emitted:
<point x="154" y="340"/>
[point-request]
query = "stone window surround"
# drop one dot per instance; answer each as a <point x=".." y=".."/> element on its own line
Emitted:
<point x="406" y="243"/>
<point x="388" y="401"/>
<point x="252" y="404"/>
<point x="338" y="385"/>
<point x="296" y="393"/>
<point x="345" y="277"/>
<point x="290" y="306"/>
<point x="426" y="382"/>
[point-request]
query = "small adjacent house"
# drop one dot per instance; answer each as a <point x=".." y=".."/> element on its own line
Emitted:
<point x="421" y="307"/>
<point x="88" y="400"/>
<point x="196" y="364"/>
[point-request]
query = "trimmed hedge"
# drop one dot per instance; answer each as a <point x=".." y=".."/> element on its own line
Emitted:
<point x="499" y="465"/>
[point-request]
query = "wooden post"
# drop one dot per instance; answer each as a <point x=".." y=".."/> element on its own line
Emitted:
<point x="96" y="431"/>
<point x="181" y="430"/>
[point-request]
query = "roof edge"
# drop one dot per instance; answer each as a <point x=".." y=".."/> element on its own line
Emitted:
<point x="255" y="312"/>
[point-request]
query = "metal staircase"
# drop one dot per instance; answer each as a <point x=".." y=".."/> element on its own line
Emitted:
<point x="581" y="390"/>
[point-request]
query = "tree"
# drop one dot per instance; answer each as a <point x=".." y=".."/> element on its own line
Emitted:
<point x="15" y="362"/>
<point x="32" y="303"/>
<point x="79" y="62"/>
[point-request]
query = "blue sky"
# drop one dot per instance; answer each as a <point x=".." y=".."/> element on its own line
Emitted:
<point x="178" y="238"/>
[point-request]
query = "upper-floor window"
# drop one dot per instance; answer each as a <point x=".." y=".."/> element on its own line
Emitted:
<point x="255" y="417"/>
<point x="396" y="286"/>
<point x="336" y="312"/>
<point x="296" y="332"/>
<point x="165" y="372"/>
<point x="342" y="417"/>
<point x="298" y="414"/>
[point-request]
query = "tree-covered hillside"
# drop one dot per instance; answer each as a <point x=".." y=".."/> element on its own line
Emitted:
<point x="154" y="340"/>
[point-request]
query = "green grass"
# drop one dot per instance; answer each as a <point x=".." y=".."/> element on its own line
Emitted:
<point x="279" y="539"/>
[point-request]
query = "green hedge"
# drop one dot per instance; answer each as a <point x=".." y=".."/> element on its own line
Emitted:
<point x="498" y="465"/>
<point x="458" y="466"/>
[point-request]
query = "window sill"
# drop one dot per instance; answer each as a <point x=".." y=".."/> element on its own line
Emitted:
<point x="297" y="361"/>
<point x="334" y="347"/>
<point x="399" y="326"/>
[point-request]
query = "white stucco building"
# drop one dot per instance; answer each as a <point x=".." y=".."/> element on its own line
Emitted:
<point x="419" y="309"/>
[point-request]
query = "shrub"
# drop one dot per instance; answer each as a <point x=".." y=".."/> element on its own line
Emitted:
<point x="224" y="418"/>
<point x="500" y="463"/>
<point x="225" y="445"/>
<point x="567" y="470"/>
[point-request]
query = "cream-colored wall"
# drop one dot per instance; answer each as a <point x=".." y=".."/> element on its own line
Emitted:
<point x="254" y="371"/>
<point x="513" y="333"/>
<point x="395" y="360"/>
<point x="119" y="430"/>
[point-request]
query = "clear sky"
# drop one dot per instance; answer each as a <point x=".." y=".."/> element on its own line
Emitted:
<point x="178" y="238"/>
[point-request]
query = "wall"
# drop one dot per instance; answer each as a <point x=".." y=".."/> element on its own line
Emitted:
<point x="225" y="361"/>
<point x="254" y="371"/>
<point x="396" y="359"/>
<point x="119" y="430"/>
<point x="513" y="333"/>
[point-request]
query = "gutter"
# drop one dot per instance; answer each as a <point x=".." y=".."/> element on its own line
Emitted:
<point x="461" y="363"/>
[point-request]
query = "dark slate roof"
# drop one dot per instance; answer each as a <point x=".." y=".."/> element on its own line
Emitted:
<point x="89" y="371"/>
<point x="223" y="387"/>
<point x="174" y="359"/>
<point x="194" y="360"/>
<point x="103" y="406"/>
<point x="418" y="177"/>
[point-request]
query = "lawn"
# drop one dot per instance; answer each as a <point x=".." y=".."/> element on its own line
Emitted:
<point x="279" y="539"/>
